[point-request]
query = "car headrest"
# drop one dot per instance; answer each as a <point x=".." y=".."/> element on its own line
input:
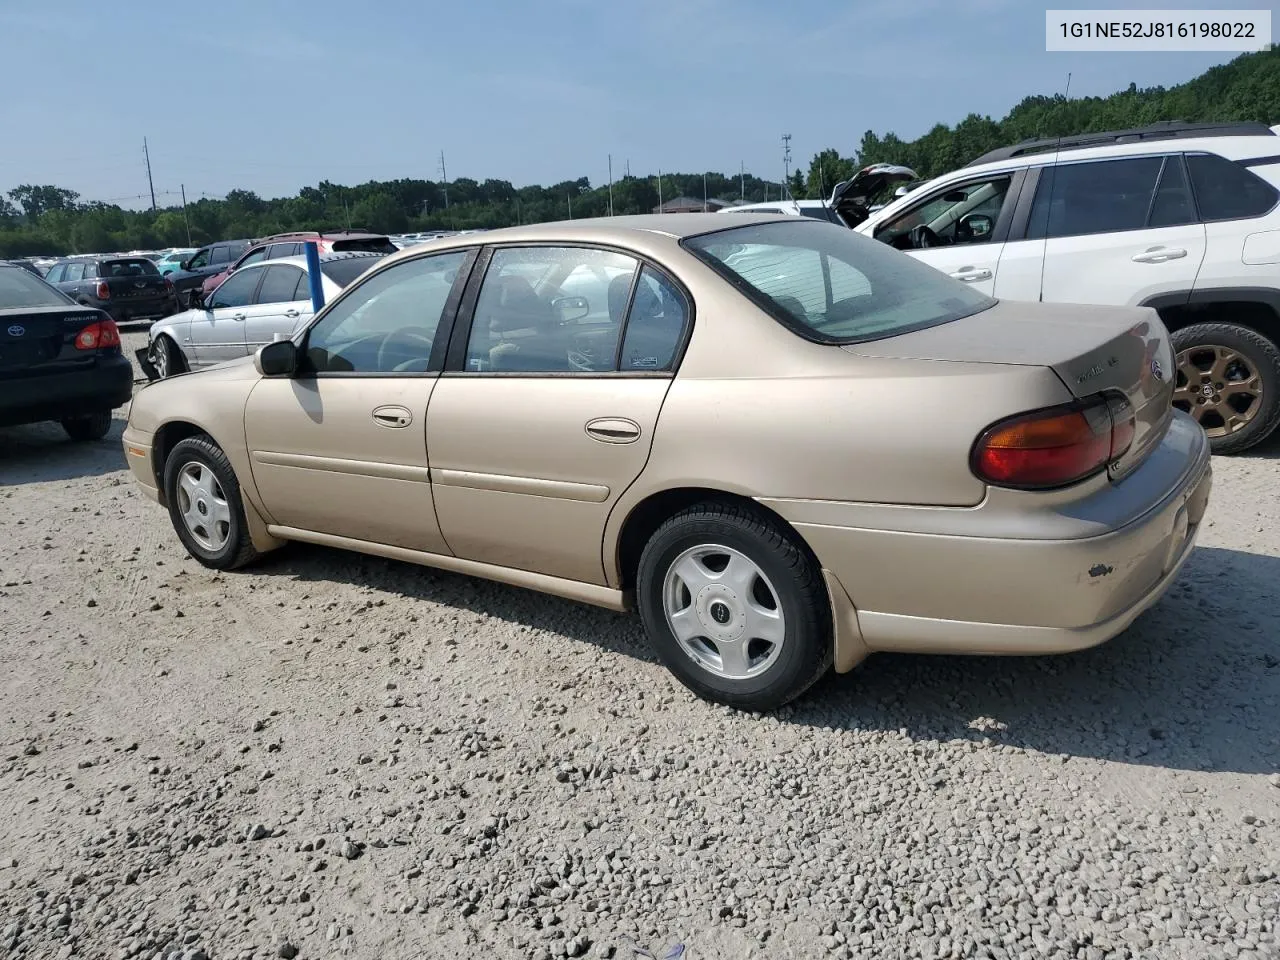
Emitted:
<point x="619" y="287"/>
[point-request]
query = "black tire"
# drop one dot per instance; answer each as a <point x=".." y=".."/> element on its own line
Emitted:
<point x="806" y="652"/>
<point x="93" y="426"/>
<point x="1258" y="352"/>
<point x="167" y="357"/>
<point x="238" y="549"/>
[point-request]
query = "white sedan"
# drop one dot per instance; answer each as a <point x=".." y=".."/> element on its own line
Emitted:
<point x="257" y="304"/>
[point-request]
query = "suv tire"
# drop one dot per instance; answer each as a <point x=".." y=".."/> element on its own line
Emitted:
<point x="1248" y="393"/>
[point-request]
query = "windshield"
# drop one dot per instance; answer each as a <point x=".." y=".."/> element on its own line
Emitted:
<point x="18" y="288"/>
<point x="832" y="285"/>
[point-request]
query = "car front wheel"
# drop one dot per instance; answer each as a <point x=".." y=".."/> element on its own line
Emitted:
<point x="205" y="506"/>
<point x="167" y="358"/>
<point x="735" y="606"/>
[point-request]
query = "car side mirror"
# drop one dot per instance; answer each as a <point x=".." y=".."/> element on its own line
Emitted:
<point x="978" y="225"/>
<point x="569" y="309"/>
<point x="277" y="359"/>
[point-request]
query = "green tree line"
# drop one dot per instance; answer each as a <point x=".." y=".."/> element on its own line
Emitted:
<point x="46" y="219"/>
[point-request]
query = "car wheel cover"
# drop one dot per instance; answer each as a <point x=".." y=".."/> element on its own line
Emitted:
<point x="160" y="359"/>
<point x="1219" y="386"/>
<point x="723" y="611"/>
<point x="203" y="506"/>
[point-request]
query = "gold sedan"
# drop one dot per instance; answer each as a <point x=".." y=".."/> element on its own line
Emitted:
<point x="786" y="445"/>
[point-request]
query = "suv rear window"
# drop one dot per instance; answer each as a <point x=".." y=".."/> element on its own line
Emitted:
<point x="366" y="245"/>
<point x="18" y="288"/>
<point x="344" y="271"/>
<point x="133" y="267"/>
<point x="1226" y="190"/>
<point x="832" y="285"/>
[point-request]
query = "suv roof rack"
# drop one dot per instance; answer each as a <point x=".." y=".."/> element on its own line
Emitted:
<point x="1165" y="130"/>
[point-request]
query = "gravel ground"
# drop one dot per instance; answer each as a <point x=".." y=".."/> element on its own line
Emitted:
<point x="331" y="755"/>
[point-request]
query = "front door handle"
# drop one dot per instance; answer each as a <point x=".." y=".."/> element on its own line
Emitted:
<point x="613" y="430"/>
<point x="1159" y="255"/>
<point x="393" y="416"/>
<point x="972" y="274"/>
<point x="293" y="314"/>
<point x="237" y="316"/>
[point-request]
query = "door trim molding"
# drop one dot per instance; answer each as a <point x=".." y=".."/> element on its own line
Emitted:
<point x="531" y="486"/>
<point x="594" y="594"/>
<point x="362" y="468"/>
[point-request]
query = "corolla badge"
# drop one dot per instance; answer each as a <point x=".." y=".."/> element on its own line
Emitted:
<point x="17" y="330"/>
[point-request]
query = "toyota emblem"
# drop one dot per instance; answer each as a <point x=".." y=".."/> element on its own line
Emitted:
<point x="17" y="330"/>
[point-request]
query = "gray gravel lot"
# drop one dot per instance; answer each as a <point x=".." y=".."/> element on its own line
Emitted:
<point x="337" y="756"/>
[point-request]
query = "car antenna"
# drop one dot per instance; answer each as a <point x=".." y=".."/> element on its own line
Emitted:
<point x="1053" y="182"/>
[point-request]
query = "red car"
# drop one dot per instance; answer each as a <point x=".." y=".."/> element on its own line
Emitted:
<point x="290" y="245"/>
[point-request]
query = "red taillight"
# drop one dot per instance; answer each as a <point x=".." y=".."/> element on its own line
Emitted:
<point x="168" y="284"/>
<point x="1056" y="446"/>
<point x="103" y="290"/>
<point x="104" y="333"/>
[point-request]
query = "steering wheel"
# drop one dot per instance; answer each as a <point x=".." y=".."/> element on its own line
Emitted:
<point x="410" y="333"/>
<point x="922" y="235"/>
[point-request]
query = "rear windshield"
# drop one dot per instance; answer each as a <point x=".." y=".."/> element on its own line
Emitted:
<point x="133" y="267"/>
<point x="344" y="271"/>
<point x="366" y="245"/>
<point x="832" y="285"/>
<point x="18" y="288"/>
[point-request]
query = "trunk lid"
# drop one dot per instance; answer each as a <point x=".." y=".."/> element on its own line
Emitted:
<point x="851" y="198"/>
<point x="1124" y="350"/>
<point x="36" y="340"/>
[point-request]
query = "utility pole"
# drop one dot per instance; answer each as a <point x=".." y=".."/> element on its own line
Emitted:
<point x="660" y="190"/>
<point x="444" y="180"/>
<point x="628" y="163"/>
<point x="183" y="187"/>
<point x="611" y="184"/>
<point x="147" y="155"/>
<point x="742" y="180"/>
<point x="786" y="165"/>
<point x="569" y="197"/>
<point x="704" y="193"/>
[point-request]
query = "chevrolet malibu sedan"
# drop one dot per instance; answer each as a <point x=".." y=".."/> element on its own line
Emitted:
<point x="785" y="445"/>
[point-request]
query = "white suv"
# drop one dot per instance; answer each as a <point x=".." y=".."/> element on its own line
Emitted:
<point x="1184" y="218"/>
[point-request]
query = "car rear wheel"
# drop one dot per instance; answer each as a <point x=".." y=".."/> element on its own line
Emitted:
<point x="93" y="426"/>
<point x="1228" y="379"/>
<point x="735" y="606"/>
<point x="167" y="357"/>
<point x="205" y="505"/>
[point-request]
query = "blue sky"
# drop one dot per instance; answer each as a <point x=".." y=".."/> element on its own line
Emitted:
<point x="271" y="95"/>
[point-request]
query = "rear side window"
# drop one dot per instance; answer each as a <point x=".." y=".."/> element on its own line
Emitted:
<point x="279" y="250"/>
<point x="1226" y="190"/>
<point x="1172" y="205"/>
<point x="279" y="284"/>
<point x="56" y="273"/>
<point x="18" y="288"/>
<point x="832" y="285"/>
<point x="75" y="271"/>
<point x="220" y="255"/>
<point x="1106" y="196"/>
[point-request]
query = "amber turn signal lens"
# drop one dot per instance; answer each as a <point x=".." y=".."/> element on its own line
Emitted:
<point x="1046" y="448"/>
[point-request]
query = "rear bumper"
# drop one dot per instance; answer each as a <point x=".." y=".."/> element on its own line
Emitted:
<point x="922" y="592"/>
<point x="104" y="386"/>
<point x="125" y="312"/>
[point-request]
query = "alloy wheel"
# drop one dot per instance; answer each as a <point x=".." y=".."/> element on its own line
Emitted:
<point x="723" y="611"/>
<point x="1219" y="387"/>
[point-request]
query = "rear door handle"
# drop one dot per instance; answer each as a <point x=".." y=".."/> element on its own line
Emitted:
<point x="1159" y="255"/>
<point x="292" y="313"/>
<point x="971" y="274"/>
<point x="613" y="430"/>
<point x="237" y="316"/>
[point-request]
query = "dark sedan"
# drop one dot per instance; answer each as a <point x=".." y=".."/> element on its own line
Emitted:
<point x="59" y="360"/>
